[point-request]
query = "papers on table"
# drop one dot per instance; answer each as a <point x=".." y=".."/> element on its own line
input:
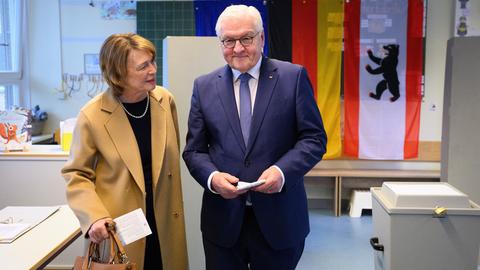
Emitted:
<point x="10" y="232"/>
<point x="16" y="220"/>
<point x="132" y="226"/>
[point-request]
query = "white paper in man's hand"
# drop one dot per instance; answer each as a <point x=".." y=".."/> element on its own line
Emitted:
<point x="247" y="185"/>
<point x="132" y="226"/>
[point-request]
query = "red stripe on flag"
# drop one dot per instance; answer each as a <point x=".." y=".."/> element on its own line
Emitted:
<point x="351" y="76"/>
<point x="304" y="38"/>
<point x="413" y="83"/>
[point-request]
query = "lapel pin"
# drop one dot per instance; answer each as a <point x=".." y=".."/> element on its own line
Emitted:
<point x="270" y="76"/>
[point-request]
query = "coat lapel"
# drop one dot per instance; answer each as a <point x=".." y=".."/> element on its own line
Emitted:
<point x="121" y="133"/>
<point x="266" y="84"/>
<point x="224" y="89"/>
<point x="159" y="134"/>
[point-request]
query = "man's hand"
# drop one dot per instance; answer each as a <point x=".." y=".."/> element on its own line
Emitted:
<point x="98" y="231"/>
<point x="273" y="181"/>
<point x="225" y="185"/>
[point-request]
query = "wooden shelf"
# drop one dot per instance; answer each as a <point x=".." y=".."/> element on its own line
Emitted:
<point x="341" y="173"/>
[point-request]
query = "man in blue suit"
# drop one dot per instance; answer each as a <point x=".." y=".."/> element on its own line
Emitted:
<point x="253" y="119"/>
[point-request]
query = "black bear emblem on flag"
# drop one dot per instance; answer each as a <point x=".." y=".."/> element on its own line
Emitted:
<point x="388" y="68"/>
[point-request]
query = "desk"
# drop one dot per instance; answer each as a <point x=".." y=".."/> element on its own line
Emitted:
<point x="340" y="174"/>
<point x="37" y="152"/>
<point x="33" y="178"/>
<point x="36" y="248"/>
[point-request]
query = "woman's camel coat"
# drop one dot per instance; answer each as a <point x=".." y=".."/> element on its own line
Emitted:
<point x="105" y="178"/>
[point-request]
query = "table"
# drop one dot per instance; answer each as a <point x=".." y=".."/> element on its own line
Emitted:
<point x="36" y="248"/>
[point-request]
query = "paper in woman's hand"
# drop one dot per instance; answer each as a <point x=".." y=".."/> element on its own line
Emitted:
<point x="132" y="226"/>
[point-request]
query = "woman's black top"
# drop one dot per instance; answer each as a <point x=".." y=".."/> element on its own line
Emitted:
<point x="142" y="129"/>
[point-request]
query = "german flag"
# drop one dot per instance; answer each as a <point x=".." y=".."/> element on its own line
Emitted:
<point x="310" y="33"/>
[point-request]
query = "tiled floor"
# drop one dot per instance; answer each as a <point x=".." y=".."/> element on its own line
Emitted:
<point x="337" y="243"/>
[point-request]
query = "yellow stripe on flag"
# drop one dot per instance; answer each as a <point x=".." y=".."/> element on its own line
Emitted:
<point x="329" y="40"/>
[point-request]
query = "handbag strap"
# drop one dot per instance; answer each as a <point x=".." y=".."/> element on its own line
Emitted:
<point x="93" y="254"/>
<point x="117" y="251"/>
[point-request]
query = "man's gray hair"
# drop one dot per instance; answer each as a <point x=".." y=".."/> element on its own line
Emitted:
<point x="240" y="11"/>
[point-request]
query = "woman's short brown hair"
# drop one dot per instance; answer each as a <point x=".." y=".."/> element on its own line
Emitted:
<point x="114" y="55"/>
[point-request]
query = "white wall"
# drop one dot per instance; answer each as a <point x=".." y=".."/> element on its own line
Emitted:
<point x="60" y="33"/>
<point x="83" y="31"/>
<point x="440" y="18"/>
<point x="45" y="56"/>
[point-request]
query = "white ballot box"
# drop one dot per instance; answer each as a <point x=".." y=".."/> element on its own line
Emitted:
<point x="427" y="226"/>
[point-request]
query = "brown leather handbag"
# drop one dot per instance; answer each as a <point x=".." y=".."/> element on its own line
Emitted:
<point x="117" y="259"/>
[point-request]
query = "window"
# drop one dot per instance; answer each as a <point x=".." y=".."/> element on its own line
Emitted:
<point x="11" y="12"/>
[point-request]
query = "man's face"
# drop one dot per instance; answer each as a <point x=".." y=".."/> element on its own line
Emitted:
<point x="241" y="57"/>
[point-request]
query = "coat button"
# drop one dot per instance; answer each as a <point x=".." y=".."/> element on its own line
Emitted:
<point x="176" y="214"/>
<point x="247" y="163"/>
<point x="169" y="174"/>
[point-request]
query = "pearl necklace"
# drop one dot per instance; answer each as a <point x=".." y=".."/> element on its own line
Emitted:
<point x="136" y="116"/>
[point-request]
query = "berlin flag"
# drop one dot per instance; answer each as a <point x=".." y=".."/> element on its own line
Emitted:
<point x="383" y="54"/>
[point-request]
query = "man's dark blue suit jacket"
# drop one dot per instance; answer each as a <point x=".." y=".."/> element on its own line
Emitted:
<point x="286" y="131"/>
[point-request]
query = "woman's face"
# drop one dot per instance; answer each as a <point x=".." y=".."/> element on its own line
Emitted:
<point x="141" y="73"/>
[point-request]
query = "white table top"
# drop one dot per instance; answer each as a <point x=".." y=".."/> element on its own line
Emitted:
<point x="40" y="245"/>
<point x="36" y="152"/>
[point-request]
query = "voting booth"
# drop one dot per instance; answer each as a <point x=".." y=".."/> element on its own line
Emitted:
<point x="424" y="226"/>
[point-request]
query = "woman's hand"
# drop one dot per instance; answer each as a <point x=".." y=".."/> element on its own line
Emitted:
<point x="98" y="231"/>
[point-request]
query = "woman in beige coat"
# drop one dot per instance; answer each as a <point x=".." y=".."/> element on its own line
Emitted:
<point x="125" y="155"/>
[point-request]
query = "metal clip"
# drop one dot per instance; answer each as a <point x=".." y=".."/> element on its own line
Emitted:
<point x="439" y="212"/>
<point x="124" y="259"/>
<point x="110" y="226"/>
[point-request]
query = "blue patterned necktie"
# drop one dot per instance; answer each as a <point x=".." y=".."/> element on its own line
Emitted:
<point x="245" y="106"/>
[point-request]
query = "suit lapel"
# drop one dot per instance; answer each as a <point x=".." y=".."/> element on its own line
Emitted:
<point x="159" y="134"/>
<point x="224" y="90"/>
<point x="121" y="133"/>
<point x="266" y="84"/>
